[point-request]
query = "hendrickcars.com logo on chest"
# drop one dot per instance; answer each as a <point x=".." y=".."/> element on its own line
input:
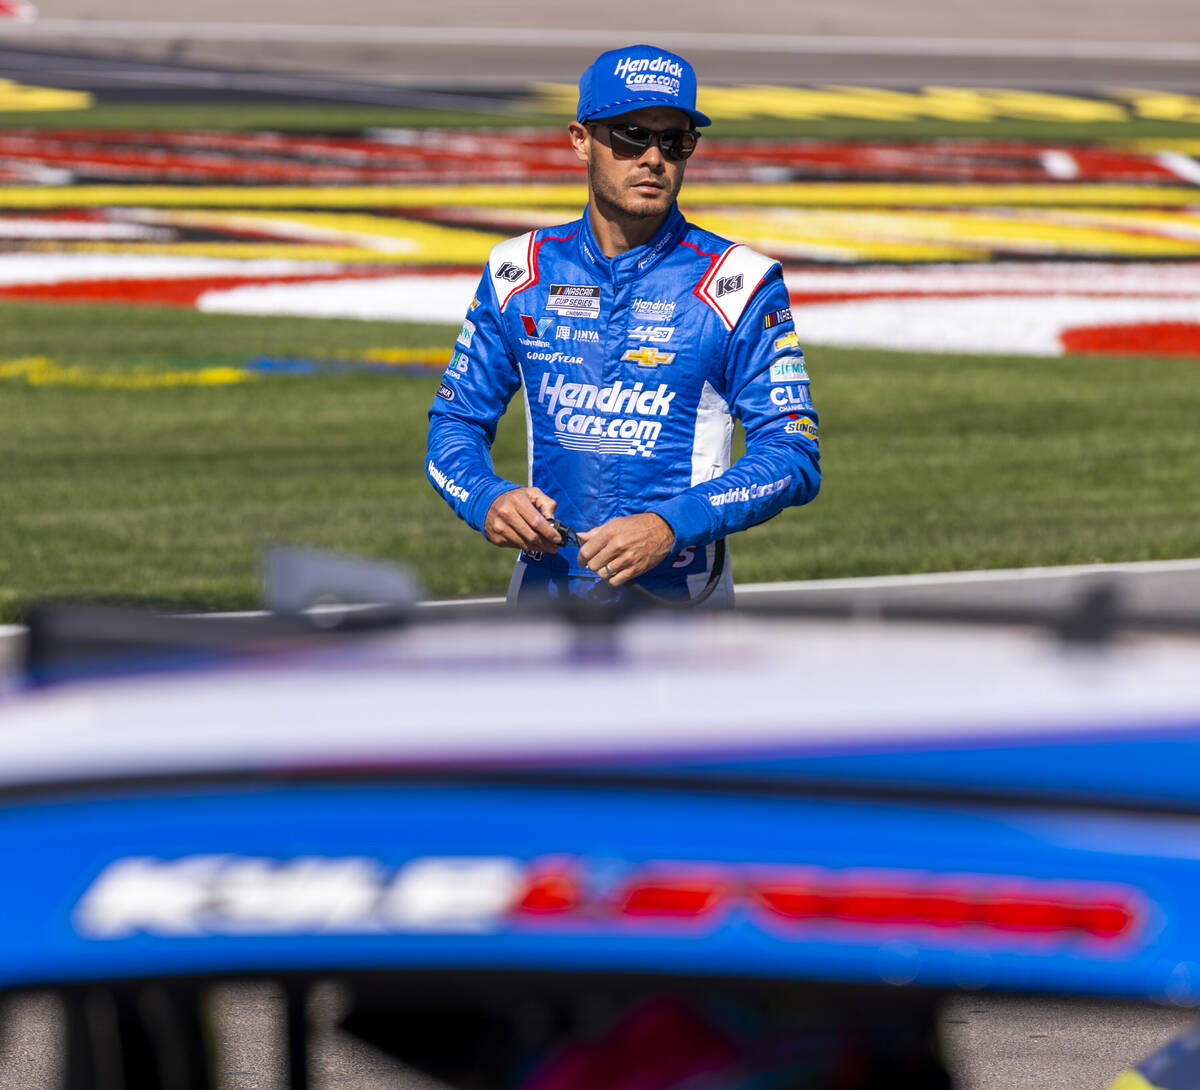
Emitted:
<point x="605" y="419"/>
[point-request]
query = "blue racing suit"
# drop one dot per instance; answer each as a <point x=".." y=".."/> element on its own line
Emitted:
<point x="633" y="369"/>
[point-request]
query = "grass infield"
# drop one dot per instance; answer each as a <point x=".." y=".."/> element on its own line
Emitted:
<point x="166" y="495"/>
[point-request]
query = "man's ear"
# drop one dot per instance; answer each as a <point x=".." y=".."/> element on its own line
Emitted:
<point x="581" y="140"/>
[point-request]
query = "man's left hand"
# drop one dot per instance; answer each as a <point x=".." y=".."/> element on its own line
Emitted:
<point x="621" y="549"/>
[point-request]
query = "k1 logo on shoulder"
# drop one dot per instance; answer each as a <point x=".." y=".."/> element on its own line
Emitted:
<point x="510" y="272"/>
<point x="726" y="285"/>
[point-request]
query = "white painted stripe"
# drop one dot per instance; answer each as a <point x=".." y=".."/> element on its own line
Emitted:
<point x="1014" y="48"/>
<point x="1182" y="166"/>
<point x="1060" y="164"/>
<point x="996" y="575"/>
<point x="1159" y="279"/>
<point x="27" y="268"/>
<point x="404" y="298"/>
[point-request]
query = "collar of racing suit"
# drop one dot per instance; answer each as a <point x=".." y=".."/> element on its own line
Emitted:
<point x="637" y="262"/>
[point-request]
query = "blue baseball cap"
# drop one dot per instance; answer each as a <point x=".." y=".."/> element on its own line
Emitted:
<point x="623" y="80"/>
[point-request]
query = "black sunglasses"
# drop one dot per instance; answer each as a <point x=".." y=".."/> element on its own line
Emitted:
<point x="630" y="141"/>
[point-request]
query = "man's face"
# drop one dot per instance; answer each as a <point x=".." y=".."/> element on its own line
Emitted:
<point x="639" y="187"/>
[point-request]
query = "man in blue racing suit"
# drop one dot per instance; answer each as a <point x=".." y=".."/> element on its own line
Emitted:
<point x="637" y="338"/>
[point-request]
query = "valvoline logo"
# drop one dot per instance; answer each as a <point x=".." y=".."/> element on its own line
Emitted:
<point x="535" y="328"/>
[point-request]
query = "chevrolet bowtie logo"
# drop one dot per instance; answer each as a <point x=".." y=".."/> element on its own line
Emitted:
<point x="647" y="357"/>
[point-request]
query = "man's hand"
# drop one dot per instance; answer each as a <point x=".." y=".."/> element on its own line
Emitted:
<point x="518" y="519"/>
<point x="621" y="549"/>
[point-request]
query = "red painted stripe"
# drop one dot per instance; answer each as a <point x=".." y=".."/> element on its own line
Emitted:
<point x="497" y="156"/>
<point x="182" y="291"/>
<point x="1135" y="338"/>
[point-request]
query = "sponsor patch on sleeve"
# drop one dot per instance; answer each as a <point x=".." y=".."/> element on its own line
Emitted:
<point x="445" y="392"/>
<point x="466" y="333"/>
<point x="789" y="369"/>
<point x="777" y="317"/>
<point x="802" y="426"/>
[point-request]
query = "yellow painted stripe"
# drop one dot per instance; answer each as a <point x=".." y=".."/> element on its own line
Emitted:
<point x="1160" y="105"/>
<point x="429" y="356"/>
<point x="16" y="96"/>
<point x="797" y="194"/>
<point x="877" y="104"/>
<point x="1187" y="147"/>
<point x="41" y="371"/>
<point x="1129" y="1079"/>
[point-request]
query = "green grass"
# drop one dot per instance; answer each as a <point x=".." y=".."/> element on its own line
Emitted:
<point x="931" y="463"/>
<point x="335" y="118"/>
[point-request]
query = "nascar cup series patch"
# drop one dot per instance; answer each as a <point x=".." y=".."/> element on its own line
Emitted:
<point x="574" y="300"/>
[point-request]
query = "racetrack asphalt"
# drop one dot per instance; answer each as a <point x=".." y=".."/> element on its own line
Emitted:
<point x="991" y="1042"/>
<point x="458" y="44"/>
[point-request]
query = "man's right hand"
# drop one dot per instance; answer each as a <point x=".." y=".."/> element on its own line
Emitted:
<point x="519" y="519"/>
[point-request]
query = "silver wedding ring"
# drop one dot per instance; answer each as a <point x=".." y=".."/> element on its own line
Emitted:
<point x="608" y="571"/>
